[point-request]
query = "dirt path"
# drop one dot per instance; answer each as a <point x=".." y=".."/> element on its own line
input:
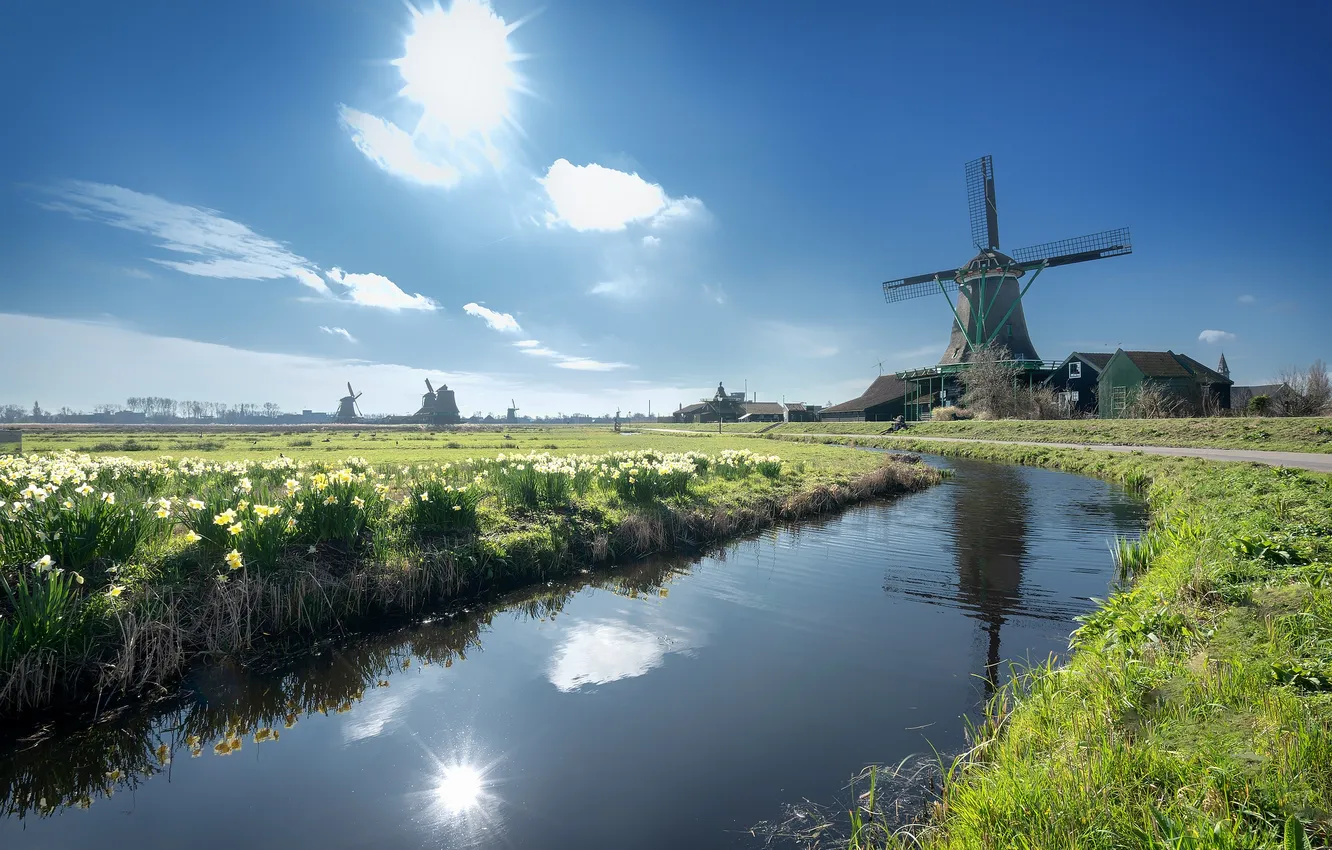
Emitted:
<point x="1301" y="460"/>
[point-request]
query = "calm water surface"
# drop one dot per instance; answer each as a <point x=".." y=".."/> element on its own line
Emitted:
<point x="670" y="705"/>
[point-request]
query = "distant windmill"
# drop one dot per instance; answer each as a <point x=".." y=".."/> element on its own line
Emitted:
<point x="348" y="409"/>
<point x="989" y="307"/>
<point x="511" y="415"/>
<point x="880" y="365"/>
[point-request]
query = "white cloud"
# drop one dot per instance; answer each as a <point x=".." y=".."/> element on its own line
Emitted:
<point x="714" y="293"/>
<point x="1215" y="337"/>
<point x="342" y="332"/>
<point x="534" y="348"/>
<point x="1246" y="299"/>
<point x="217" y="246"/>
<point x="586" y="364"/>
<point x="132" y="363"/>
<point x="395" y="150"/>
<point x="136" y="273"/>
<point x="375" y="290"/>
<point x="502" y="322"/>
<point x="593" y="197"/>
<point x="540" y="351"/>
<point x="651" y="241"/>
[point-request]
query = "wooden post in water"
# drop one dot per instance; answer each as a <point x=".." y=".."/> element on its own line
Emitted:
<point x="11" y="442"/>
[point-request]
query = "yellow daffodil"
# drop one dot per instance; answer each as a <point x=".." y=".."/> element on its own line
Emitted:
<point x="109" y="498"/>
<point x="234" y="559"/>
<point x="42" y="564"/>
<point x="115" y="590"/>
<point x="331" y="500"/>
<point x="235" y="529"/>
<point x="195" y="505"/>
<point x="242" y="505"/>
<point x="67" y="505"/>
<point x="358" y="501"/>
<point x="162" y="513"/>
<point x="192" y="537"/>
<point x="83" y="489"/>
<point x="227" y="517"/>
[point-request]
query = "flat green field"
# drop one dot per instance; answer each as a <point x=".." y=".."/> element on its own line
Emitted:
<point x="401" y="445"/>
<point x="1313" y="434"/>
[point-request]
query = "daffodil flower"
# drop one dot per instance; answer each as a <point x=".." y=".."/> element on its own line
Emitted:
<point x="115" y="590"/>
<point x="192" y="537"/>
<point x="234" y="559"/>
<point x="195" y="505"/>
<point x="109" y="498"/>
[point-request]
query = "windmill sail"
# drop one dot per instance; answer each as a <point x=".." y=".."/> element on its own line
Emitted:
<point x="1096" y="246"/>
<point x="919" y="286"/>
<point x="981" y="204"/>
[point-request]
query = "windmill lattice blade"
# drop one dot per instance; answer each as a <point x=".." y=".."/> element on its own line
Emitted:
<point x="919" y="286"/>
<point x="981" y="204"/>
<point x="1096" y="246"/>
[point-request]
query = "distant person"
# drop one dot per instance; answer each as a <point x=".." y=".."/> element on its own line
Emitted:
<point x="899" y="424"/>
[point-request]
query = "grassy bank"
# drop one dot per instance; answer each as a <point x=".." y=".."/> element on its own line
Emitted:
<point x="119" y="571"/>
<point x="1196" y="709"/>
<point x="1265" y="434"/>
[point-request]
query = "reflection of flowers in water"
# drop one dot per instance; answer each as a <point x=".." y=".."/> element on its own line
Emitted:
<point x="594" y="653"/>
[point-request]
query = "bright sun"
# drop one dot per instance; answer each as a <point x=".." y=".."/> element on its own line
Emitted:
<point x="459" y="788"/>
<point x="458" y="65"/>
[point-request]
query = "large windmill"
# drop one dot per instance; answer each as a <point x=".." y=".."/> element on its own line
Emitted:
<point x="989" y="305"/>
<point x="988" y="311"/>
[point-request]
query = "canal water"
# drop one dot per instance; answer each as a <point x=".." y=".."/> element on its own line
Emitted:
<point x="671" y="704"/>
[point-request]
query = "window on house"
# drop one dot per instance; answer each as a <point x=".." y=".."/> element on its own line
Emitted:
<point x="1075" y="369"/>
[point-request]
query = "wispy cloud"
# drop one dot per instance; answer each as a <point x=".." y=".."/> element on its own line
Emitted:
<point x="395" y="150"/>
<point x="533" y="348"/>
<point x="1247" y="299"/>
<point x="1214" y="337"/>
<point x="342" y="332"/>
<point x="217" y="246"/>
<point x="136" y="273"/>
<point x="714" y="294"/>
<point x="375" y="290"/>
<point x="594" y="197"/>
<point x="805" y="341"/>
<point x="651" y="241"/>
<point x="502" y="322"/>
<point x="459" y="74"/>
<point x="623" y="288"/>
<point x="220" y="248"/>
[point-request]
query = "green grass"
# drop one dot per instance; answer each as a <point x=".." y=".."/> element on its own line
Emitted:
<point x="118" y="570"/>
<point x="1196" y="708"/>
<point x="1312" y="434"/>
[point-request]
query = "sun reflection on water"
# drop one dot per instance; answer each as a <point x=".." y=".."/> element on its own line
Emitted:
<point x="459" y="788"/>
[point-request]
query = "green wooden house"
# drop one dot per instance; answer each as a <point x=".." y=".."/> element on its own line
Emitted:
<point x="1191" y="388"/>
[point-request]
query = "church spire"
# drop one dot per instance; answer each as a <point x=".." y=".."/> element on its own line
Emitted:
<point x="1223" y="367"/>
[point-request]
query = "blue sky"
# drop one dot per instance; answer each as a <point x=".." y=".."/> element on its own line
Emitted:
<point x="260" y="201"/>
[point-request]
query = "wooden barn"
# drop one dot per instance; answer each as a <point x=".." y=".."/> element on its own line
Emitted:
<point x="1074" y="381"/>
<point x="1186" y="383"/>
<point x="883" y="401"/>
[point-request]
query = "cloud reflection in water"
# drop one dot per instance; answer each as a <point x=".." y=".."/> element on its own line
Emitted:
<point x="598" y="652"/>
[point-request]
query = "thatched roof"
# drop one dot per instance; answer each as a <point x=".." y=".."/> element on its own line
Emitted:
<point x="885" y="388"/>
